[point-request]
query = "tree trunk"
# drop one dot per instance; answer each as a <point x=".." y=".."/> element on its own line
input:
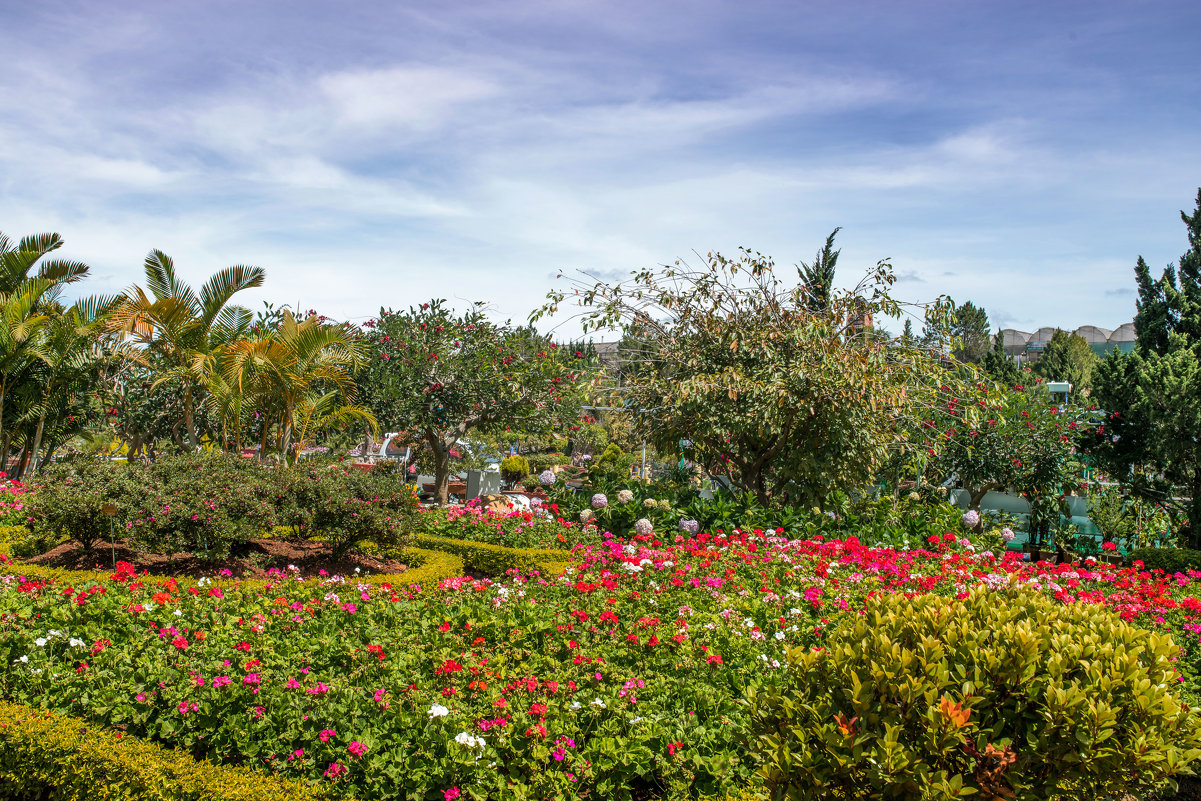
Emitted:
<point x="188" y="420"/>
<point x="37" y="443"/>
<point x="285" y="440"/>
<point x="3" y="441"/>
<point x="441" y="469"/>
<point x="263" y="444"/>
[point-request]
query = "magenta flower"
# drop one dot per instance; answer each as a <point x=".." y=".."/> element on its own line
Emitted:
<point x="326" y="734"/>
<point x="451" y="794"/>
<point x="356" y="748"/>
<point x="335" y="770"/>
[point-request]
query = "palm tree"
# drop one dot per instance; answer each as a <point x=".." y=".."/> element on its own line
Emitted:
<point x="185" y="327"/>
<point x="23" y="300"/>
<point x="17" y="260"/>
<point x="304" y="369"/>
<point x="71" y="350"/>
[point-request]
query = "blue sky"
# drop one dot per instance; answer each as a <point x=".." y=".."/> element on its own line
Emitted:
<point x="1017" y="154"/>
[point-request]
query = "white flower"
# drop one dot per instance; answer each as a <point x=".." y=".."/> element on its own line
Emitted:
<point x="177" y="613"/>
<point x="55" y="633"/>
<point x="75" y="642"/>
<point x="779" y="635"/>
<point x="598" y="702"/>
<point x="635" y="720"/>
<point x="23" y="659"/>
<point x="467" y="740"/>
<point x="40" y="642"/>
<point x="438" y="711"/>
<point x="624" y="496"/>
<point x="575" y="705"/>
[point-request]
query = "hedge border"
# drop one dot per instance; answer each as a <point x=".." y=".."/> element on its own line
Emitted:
<point x="44" y="750"/>
<point x="433" y="567"/>
<point x="497" y="559"/>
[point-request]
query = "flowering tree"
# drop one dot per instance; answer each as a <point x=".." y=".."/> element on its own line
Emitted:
<point x="994" y="438"/>
<point x="790" y="401"/>
<point x="439" y="375"/>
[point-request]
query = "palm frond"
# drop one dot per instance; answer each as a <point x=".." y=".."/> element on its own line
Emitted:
<point x="63" y="270"/>
<point x="40" y="244"/>
<point x="223" y="285"/>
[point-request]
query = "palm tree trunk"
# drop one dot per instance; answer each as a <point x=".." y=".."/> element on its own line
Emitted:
<point x="285" y="440"/>
<point x="37" y="443"/>
<point x="3" y="441"/>
<point x="188" y="419"/>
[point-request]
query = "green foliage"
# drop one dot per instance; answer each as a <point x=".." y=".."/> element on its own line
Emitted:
<point x="47" y="755"/>
<point x="787" y="402"/>
<point x="346" y="507"/>
<point x="1068" y="357"/>
<point x="70" y="498"/>
<point x="439" y="375"/>
<point x="1002" y="693"/>
<point x="1151" y="436"/>
<point x="1169" y="560"/>
<point x="514" y="468"/>
<point x="997" y="365"/>
<point x="203" y="504"/>
<point x="613" y="464"/>
<point x="1126" y="519"/>
<point x="992" y="438"/>
<point x="544" y="461"/>
<point x="818" y="277"/>
<point x="496" y="560"/>
<point x="970" y="330"/>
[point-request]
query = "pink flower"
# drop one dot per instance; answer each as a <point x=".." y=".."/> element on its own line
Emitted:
<point x="356" y="748"/>
<point x="326" y="734"/>
<point x="451" y="794"/>
<point x="297" y="754"/>
<point x="251" y="678"/>
<point x="335" y="770"/>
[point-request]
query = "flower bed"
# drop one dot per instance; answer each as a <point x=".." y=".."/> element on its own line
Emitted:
<point x="622" y="677"/>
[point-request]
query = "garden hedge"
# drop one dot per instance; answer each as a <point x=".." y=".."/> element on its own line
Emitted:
<point x="43" y="754"/>
<point x="1169" y="560"/>
<point x="496" y="559"/>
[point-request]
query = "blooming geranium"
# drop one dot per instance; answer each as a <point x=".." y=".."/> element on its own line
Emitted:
<point x="438" y="711"/>
<point x="599" y="501"/>
<point x="546" y="478"/>
<point x="356" y="748"/>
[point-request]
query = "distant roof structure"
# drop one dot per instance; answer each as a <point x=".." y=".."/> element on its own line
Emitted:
<point x="1024" y="345"/>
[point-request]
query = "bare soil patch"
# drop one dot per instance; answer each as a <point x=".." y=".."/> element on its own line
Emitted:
<point x="249" y="560"/>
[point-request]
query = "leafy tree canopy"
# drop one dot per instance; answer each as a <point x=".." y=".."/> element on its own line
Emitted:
<point x="792" y="403"/>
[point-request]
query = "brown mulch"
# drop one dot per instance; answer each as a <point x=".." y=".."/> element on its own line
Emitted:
<point x="249" y="560"/>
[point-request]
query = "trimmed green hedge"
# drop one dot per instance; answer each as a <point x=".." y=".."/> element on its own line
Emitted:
<point x="1169" y="560"/>
<point x="43" y="754"/>
<point x="496" y="559"/>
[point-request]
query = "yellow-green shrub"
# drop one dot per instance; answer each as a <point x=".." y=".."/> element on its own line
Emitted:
<point x="1004" y="691"/>
<point x="494" y="560"/>
<point x="41" y="751"/>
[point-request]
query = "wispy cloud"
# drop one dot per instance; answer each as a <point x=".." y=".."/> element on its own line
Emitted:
<point x="377" y="153"/>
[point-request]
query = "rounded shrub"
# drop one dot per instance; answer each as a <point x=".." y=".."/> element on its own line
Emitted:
<point x="514" y="468"/>
<point x="86" y="500"/>
<point x="1003" y="694"/>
